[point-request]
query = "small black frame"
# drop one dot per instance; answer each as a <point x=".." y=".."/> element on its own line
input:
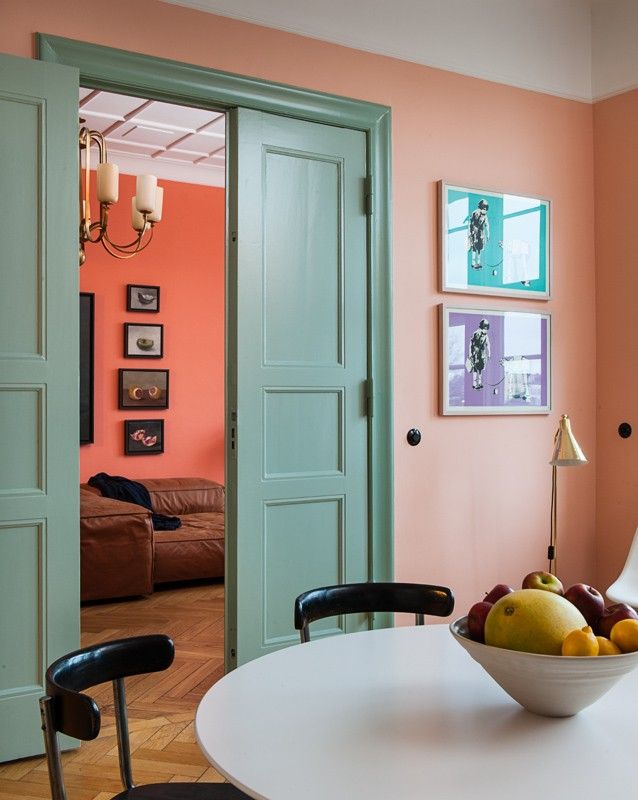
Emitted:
<point x="143" y="341"/>
<point x="145" y="299"/>
<point x="146" y="381"/>
<point x="143" y="437"/>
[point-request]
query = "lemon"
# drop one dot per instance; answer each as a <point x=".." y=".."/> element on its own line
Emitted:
<point x="532" y="620"/>
<point x="580" y="643"/>
<point x="606" y="647"/>
<point x="625" y="635"/>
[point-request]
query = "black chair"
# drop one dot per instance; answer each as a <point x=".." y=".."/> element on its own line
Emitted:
<point x="362" y="598"/>
<point x="64" y="709"/>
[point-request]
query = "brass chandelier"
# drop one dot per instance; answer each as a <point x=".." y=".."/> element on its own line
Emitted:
<point x="146" y="206"/>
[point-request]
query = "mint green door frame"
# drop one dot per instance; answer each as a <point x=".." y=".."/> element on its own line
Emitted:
<point x="161" y="79"/>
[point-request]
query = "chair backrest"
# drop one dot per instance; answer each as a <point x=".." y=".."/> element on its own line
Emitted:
<point x="625" y="588"/>
<point x="65" y="709"/>
<point x="360" y="598"/>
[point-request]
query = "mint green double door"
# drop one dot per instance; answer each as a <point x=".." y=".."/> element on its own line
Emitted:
<point x="298" y="450"/>
<point x="39" y="481"/>
<point x="297" y="425"/>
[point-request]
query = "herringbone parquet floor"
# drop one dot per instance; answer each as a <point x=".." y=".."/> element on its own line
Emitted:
<point x="161" y="706"/>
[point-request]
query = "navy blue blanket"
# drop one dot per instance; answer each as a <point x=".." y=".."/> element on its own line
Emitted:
<point x="118" y="488"/>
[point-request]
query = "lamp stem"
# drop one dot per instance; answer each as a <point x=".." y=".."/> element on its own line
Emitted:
<point x="551" y="550"/>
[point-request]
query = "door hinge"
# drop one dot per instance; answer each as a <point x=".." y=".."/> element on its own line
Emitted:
<point x="369" y="398"/>
<point x="369" y="195"/>
<point x="233" y="432"/>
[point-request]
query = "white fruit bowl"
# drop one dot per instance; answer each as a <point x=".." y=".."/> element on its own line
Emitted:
<point x="554" y="686"/>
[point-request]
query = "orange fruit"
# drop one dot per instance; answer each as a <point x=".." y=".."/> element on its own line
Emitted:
<point x="531" y="620"/>
<point x="581" y="642"/>
<point x="625" y="635"/>
<point x="607" y="647"/>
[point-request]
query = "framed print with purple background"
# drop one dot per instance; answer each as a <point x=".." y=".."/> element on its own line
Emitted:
<point x="495" y="362"/>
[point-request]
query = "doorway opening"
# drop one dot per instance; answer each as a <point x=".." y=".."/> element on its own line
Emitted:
<point x="157" y="405"/>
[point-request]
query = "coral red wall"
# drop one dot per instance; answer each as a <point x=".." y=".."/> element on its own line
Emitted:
<point x="186" y="260"/>
<point x="472" y="501"/>
<point x="615" y="137"/>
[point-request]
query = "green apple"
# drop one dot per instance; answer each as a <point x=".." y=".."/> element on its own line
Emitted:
<point x="543" y="580"/>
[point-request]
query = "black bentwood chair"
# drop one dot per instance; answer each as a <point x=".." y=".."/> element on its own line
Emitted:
<point x="64" y="709"/>
<point x="365" y="598"/>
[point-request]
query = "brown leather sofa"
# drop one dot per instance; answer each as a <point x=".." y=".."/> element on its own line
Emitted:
<point x="121" y="555"/>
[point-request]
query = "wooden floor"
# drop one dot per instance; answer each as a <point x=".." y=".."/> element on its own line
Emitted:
<point x="161" y="706"/>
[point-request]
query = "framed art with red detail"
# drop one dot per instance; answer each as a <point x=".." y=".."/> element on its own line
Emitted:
<point x="143" y="388"/>
<point x="143" y="437"/>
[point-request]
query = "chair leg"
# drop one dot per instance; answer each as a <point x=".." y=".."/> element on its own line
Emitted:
<point x="52" y="749"/>
<point x="121" y="725"/>
<point x="420" y="619"/>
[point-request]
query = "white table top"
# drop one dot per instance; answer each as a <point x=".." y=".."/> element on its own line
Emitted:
<point x="406" y="714"/>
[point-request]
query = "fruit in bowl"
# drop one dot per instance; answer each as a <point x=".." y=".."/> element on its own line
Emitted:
<point x="532" y="621"/>
<point x="549" y="685"/>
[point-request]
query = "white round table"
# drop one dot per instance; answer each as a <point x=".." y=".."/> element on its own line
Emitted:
<point x="405" y="714"/>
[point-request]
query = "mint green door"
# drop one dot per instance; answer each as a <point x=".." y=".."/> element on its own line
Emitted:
<point x="297" y="427"/>
<point x="39" y="516"/>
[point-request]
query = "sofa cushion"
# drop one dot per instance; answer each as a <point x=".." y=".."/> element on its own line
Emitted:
<point x="181" y="496"/>
<point x="116" y="548"/>
<point x="196" y="550"/>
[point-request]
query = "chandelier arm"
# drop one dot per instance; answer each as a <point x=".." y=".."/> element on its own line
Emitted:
<point x="126" y="247"/>
<point x="120" y="251"/>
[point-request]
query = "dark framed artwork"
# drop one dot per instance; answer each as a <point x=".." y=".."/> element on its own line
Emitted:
<point x="495" y="362"/>
<point x="143" y="437"/>
<point x="143" y="341"/>
<point x="142" y="388"/>
<point x="87" y="346"/>
<point x="142" y="298"/>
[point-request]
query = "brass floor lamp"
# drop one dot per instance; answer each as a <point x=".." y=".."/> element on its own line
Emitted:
<point x="567" y="453"/>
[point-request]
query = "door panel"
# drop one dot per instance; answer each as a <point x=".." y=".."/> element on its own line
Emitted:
<point x="39" y="508"/>
<point x="298" y="460"/>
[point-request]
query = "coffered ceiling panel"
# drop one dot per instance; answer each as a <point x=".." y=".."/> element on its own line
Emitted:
<point x="171" y="141"/>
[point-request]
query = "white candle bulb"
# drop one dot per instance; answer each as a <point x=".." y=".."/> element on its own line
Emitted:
<point x="156" y="216"/>
<point x="137" y="219"/>
<point x="145" y="193"/>
<point x="107" y="176"/>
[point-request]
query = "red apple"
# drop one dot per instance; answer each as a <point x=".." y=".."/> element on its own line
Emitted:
<point x="500" y="590"/>
<point x="588" y="601"/>
<point x="543" y="580"/>
<point x="613" y="614"/>
<point x="476" y="617"/>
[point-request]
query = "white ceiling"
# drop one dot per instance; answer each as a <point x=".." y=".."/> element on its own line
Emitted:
<point x="580" y="49"/>
<point x="145" y="136"/>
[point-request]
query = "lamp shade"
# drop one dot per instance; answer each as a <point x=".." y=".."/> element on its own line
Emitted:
<point x="567" y="451"/>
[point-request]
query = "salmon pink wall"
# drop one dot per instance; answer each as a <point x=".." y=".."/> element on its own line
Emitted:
<point x="616" y="178"/>
<point x="186" y="260"/>
<point x="472" y="500"/>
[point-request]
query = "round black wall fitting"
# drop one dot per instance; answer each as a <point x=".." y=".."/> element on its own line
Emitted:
<point x="624" y="430"/>
<point x="414" y="436"/>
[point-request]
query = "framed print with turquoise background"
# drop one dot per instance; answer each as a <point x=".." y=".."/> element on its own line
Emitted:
<point x="494" y="243"/>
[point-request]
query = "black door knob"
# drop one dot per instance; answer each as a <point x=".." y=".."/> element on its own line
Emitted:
<point x="414" y="436"/>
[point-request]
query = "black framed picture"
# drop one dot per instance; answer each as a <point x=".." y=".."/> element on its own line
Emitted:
<point x="87" y="346"/>
<point x="142" y="388"/>
<point x="143" y="437"/>
<point x="143" y="341"/>
<point x="142" y="298"/>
